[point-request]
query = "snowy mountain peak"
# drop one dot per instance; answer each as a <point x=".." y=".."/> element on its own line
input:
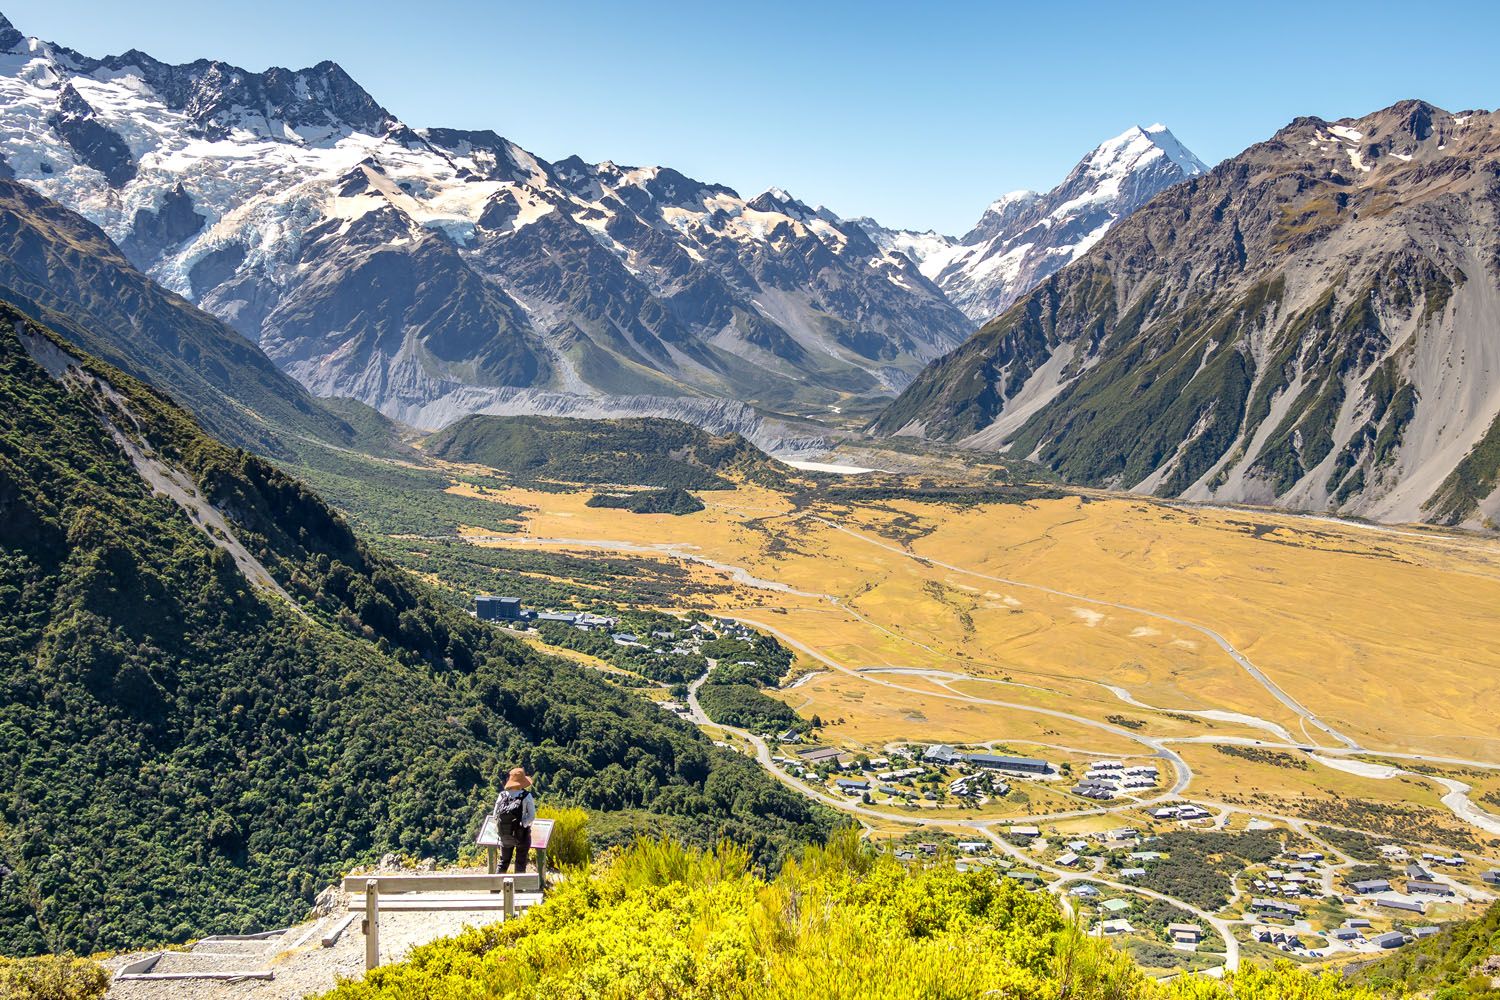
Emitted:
<point x="9" y="36"/>
<point x="1175" y="150"/>
<point x="1023" y="237"/>
<point x="282" y="201"/>
<point x="1135" y="148"/>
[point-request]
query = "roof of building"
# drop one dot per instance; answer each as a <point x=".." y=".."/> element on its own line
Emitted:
<point x="1002" y="760"/>
<point x="1115" y="905"/>
<point x="1401" y="904"/>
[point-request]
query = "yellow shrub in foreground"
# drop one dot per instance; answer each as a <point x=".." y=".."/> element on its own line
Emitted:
<point x="569" y="846"/>
<point x="51" y="977"/>
<point x="661" y="921"/>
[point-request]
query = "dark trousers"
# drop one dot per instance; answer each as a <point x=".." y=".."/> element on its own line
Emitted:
<point x="520" y="848"/>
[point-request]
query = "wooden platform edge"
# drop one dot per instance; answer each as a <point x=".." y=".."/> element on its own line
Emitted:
<point x="162" y="976"/>
<point x="338" y="929"/>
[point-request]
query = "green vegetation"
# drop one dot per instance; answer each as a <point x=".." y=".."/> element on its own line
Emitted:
<point x="644" y="451"/>
<point x="545" y="579"/>
<point x="1447" y="965"/>
<point x="570" y="845"/>
<point x="745" y="662"/>
<point x="842" y="923"/>
<point x="1470" y="482"/>
<point x="187" y="753"/>
<point x="1199" y="866"/>
<point x="1274" y="758"/>
<point x="644" y="632"/>
<point x="1359" y="846"/>
<point x="52" y="977"/>
<point x="391" y="498"/>
<point x="744" y="706"/>
<point x="1181" y="381"/>
<point x="672" y="501"/>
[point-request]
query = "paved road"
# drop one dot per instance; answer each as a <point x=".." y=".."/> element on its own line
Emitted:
<point x="1155" y="746"/>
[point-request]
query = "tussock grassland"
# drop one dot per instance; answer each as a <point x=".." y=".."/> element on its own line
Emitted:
<point x="1389" y="635"/>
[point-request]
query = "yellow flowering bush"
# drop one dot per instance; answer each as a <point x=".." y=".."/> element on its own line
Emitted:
<point x="658" y="921"/>
<point x="569" y="846"/>
<point x="51" y="977"/>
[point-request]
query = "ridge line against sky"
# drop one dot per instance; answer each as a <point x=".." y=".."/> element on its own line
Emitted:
<point x="916" y="115"/>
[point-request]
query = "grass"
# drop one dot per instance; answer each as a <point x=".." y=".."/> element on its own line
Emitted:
<point x="1305" y="600"/>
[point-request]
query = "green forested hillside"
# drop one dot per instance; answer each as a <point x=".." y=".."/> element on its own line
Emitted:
<point x="184" y="752"/>
<point x="1447" y="964"/>
<point x="639" y="451"/>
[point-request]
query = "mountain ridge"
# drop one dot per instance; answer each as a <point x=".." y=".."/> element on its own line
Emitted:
<point x="1305" y="325"/>
<point x="216" y="697"/>
<point x="1025" y="236"/>
<point x="277" y="201"/>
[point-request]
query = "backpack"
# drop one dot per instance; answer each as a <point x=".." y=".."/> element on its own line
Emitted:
<point x="508" y="811"/>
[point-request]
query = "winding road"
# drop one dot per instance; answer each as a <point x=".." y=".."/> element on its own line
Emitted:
<point x="1456" y="798"/>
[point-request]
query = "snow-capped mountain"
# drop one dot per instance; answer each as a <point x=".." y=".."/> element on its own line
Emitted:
<point x="431" y="272"/>
<point x="1312" y="324"/>
<point x="1026" y="236"/>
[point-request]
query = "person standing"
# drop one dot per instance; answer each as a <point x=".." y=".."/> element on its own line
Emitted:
<point x="515" y="811"/>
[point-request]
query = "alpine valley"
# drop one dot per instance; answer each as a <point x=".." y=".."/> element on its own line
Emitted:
<point x="1098" y="603"/>
<point x="431" y="273"/>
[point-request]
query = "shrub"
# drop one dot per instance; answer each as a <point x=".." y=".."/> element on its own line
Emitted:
<point x="842" y="923"/>
<point x="569" y="846"/>
<point x="52" y="977"/>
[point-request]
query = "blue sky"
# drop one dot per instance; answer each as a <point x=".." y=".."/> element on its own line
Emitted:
<point x="916" y="113"/>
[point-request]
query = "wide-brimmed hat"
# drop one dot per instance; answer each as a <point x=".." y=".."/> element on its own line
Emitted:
<point x="517" y="779"/>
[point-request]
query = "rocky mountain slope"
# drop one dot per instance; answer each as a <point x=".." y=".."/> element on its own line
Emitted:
<point x="429" y="273"/>
<point x="1315" y="323"/>
<point x="55" y="263"/>
<point x="1026" y="236"/>
<point x="214" y="697"/>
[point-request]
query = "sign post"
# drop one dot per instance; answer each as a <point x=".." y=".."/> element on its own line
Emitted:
<point x="489" y="839"/>
<point x="372" y="924"/>
<point x="541" y="836"/>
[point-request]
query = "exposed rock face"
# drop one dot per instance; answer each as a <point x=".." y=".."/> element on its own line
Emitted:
<point x="56" y="264"/>
<point x="1315" y="324"/>
<point x="1025" y="236"/>
<point x="399" y="266"/>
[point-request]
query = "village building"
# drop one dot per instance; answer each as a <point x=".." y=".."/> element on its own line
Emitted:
<point x="1275" y="906"/>
<point x="1428" y="888"/>
<point x="1001" y="762"/>
<point x="1401" y="904"/>
<point x="1185" y="933"/>
<point x="490" y="608"/>
<point x="942" y="753"/>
